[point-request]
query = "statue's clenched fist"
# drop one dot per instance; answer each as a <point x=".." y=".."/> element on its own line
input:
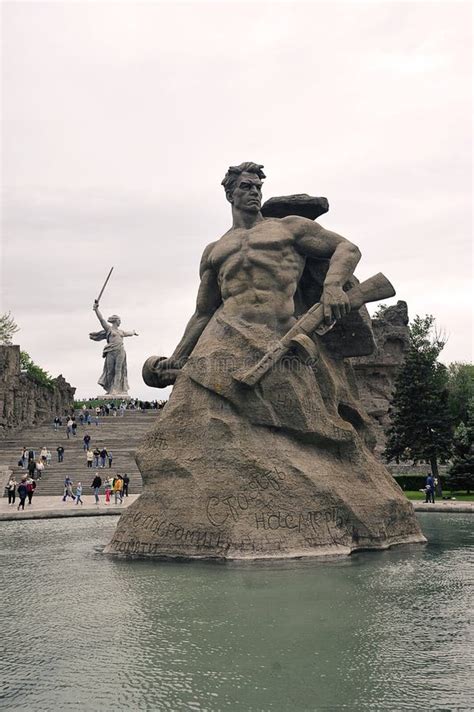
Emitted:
<point x="335" y="303"/>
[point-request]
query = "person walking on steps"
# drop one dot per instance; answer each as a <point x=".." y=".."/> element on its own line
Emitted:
<point x="24" y="458"/>
<point x="11" y="488"/>
<point x="118" y="489"/>
<point x="96" y="485"/>
<point x="60" y="451"/>
<point x="44" y="454"/>
<point x="108" y="489"/>
<point x="79" y="493"/>
<point x="30" y="489"/>
<point x="126" y="482"/>
<point x="103" y="457"/>
<point x="31" y="468"/>
<point x="67" y="488"/>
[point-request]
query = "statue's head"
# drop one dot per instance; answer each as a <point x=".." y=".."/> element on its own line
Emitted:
<point x="114" y="319"/>
<point x="243" y="186"/>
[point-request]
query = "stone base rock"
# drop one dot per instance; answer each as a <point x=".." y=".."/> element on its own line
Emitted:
<point x="283" y="470"/>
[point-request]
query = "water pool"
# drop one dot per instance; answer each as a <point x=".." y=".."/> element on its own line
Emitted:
<point x="375" y="631"/>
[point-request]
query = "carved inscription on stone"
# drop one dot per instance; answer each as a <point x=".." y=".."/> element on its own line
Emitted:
<point x="221" y="508"/>
<point x="332" y="522"/>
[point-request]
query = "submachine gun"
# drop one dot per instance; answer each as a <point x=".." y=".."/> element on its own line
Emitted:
<point x="298" y="337"/>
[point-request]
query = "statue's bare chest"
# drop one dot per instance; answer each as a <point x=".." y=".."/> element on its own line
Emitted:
<point x="269" y="240"/>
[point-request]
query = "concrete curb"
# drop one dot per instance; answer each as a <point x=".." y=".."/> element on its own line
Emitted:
<point x="58" y="514"/>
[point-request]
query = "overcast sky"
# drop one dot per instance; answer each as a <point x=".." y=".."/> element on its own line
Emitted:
<point x="120" y="120"/>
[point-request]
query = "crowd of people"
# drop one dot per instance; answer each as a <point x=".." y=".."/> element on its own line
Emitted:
<point x="97" y="457"/>
<point x="117" y="486"/>
<point x="132" y="404"/>
<point x="34" y="461"/>
<point x="25" y="489"/>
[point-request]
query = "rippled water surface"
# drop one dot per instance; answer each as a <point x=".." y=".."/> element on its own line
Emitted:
<point x="376" y="631"/>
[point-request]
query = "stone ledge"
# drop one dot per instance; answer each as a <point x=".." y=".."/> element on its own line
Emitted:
<point x="54" y="508"/>
<point x="45" y="514"/>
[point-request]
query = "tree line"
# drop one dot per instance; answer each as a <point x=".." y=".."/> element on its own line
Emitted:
<point x="432" y="409"/>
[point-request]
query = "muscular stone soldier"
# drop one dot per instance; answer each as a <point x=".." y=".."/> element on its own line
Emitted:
<point x="282" y="468"/>
<point x="253" y="271"/>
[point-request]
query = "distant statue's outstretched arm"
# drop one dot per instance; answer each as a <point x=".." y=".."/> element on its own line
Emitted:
<point x="129" y="333"/>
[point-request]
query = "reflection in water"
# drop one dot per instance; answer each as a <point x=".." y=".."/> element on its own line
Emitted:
<point x="376" y="631"/>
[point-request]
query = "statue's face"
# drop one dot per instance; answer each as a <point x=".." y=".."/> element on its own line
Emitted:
<point x="247" y="195"/>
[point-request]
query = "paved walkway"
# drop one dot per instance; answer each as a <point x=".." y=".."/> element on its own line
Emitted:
<point x="54" y="507"/>
<point x="444" y="505"/>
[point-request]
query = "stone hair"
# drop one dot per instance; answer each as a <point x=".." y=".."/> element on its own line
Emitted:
<point x="234" y="172"/>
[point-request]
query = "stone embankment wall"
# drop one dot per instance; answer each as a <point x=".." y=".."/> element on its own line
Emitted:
<point x="24" y="402"/>
<point x="376" y="373"/>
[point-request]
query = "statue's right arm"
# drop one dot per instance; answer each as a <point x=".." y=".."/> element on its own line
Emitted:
<point x="100" y="317"/>
<point x="208" y="301"/>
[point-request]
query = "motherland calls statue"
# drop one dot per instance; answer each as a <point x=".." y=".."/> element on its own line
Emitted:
<point x="114" y="376"/>
<point x="264" y="450"/>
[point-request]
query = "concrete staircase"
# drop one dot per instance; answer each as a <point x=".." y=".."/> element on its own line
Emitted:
<point x="118" y="434"/>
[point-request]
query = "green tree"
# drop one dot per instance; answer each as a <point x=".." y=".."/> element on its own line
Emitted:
<point x="421" y="424"/>
<point x="461" y="472"/>
<point x="460" y="390"/>
<point x="8" y="327"/>
<point x="35" y="372"/>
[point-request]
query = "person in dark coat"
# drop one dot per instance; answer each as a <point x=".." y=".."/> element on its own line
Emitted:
<point x="103" y="457"/>
<point x="31" y="469"/>
<point x="126" y="482"/>
<point x="96" y="485"/>
<point x="22" y="493"/>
